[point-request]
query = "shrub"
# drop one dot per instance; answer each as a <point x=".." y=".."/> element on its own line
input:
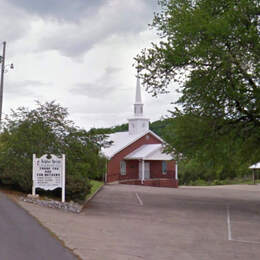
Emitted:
<point x="46" y="130"/>
<point x="77" y="188"/>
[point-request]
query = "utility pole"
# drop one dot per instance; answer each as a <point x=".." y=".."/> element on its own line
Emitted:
<point x="2" y="80"/>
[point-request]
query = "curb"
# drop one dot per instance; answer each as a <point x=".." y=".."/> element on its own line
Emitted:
<point x="91" y="197"/>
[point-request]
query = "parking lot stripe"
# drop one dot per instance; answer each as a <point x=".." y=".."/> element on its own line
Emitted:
<point x="139" y="199"/>
<point x="229" y="224"/>
<point x="245" y="241"/>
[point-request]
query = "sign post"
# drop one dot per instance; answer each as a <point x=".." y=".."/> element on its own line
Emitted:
<point x="49" y="173"/>
<point x="63" y="179"/>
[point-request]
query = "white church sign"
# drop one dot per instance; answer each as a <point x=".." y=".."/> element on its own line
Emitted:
<point x="49" y="173"/>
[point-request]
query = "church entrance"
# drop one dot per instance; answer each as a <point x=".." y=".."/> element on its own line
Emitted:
<point x="146" y="170"/>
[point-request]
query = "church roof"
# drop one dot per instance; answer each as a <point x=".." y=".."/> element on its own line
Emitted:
<point x="121" y="140"/>
<point x="149" y="152"/>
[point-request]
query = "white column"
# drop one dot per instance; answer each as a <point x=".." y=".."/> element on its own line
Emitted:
<point x="176" y="171"/>
<point x="63" y="179"/>
<point x="33" y="175"/>
<point x="142" y="171"/>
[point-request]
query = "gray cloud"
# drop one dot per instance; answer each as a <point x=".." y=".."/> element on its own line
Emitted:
<point x="74" y="26"/>
<point x="92" y="90"/>
<point x="104" y="86"/>
<point x="114" y="17"/>
<point x="23" y="88"/>
<point x="14" y="22"/>
<point x="71" y="10"/>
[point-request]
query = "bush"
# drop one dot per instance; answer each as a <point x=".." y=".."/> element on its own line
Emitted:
<point x="199" y="182"/>
<point x="45" y="130"/>
<point x="77" y="188"/>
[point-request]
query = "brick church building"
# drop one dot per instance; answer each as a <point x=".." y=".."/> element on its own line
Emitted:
<point x="136" y="156"/>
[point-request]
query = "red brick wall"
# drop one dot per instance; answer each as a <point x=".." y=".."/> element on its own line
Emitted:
<point x="156" y="169"/>
<point x="113" y="167"/>
<point x="132" y="168"/>
<point x="169" y="183"/>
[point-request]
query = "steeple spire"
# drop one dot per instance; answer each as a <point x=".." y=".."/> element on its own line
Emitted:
<point x="138" y="124"/>
<point x="138" y="97"/>
<point x="138" y="105"/>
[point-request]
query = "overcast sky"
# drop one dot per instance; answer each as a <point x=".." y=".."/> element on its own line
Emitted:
<point x="79" y="53"/>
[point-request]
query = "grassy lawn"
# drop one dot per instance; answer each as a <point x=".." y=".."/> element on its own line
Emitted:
<point x="95" y="186"/>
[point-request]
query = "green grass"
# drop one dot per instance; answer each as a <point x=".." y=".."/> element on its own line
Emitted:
<point x="95" y="186"/>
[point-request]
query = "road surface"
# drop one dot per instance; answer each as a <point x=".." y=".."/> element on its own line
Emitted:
<point x="23" y="238"/>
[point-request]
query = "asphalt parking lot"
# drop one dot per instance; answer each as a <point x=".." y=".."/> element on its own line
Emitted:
<point x="135" y="222"/>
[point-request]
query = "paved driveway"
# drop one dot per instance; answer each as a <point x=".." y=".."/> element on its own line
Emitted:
<point x="134" y="222"/>
<point x="22" y="238"/>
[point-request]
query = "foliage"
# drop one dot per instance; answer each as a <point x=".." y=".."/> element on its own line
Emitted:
<point x="204" y="153"/>
<point x="215" y="43"/>
<point x="108" y="130"/>
<point x="46" y="129"/>
<point x="211" y="49"/>
<point x="156" y="126"/>
<point x="77" y="187"/>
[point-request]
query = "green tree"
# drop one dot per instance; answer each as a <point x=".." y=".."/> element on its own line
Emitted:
<point x="211" y="49"/>
<point x="42" y="130"/>
<point x="204" y="153"/>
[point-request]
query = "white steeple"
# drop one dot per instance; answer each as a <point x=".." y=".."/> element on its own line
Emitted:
<point x="138" y="97"/>
<point x="138" y="105"/>
<point x="138" y="123"/>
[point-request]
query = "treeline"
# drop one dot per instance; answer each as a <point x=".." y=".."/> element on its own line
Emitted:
<point x="208" y="52"/>
<point x="47" y="130"/>
<point x="208" y="150"/>
<point x="204" y="155"/>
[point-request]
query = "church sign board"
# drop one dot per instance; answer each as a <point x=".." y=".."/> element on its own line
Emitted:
<point x="49" y="173"/>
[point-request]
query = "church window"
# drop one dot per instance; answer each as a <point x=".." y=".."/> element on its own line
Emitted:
<point x="164" y="167"/>
<point x="122" y="167"/>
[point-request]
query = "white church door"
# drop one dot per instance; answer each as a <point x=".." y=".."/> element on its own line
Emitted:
<point x="146" y="170"/>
